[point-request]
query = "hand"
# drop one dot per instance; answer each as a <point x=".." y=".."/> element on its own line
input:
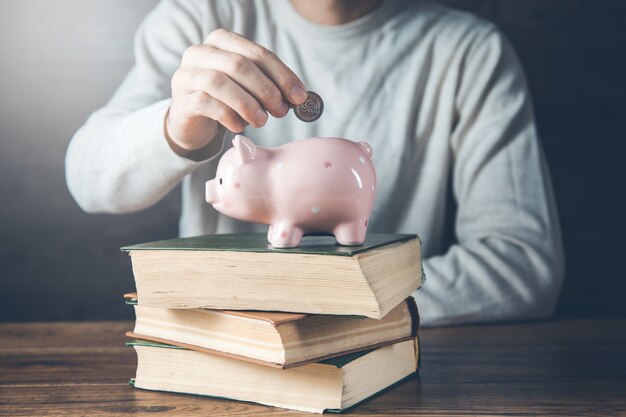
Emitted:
<point x="229" y="81"/>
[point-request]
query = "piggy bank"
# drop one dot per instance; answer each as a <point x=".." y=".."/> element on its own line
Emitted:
<point x="310" y="186"/>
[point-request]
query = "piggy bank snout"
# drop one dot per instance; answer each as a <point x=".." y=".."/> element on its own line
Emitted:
<point x="211" y="192"/>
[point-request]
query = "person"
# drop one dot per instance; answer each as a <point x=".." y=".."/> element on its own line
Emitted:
<point x="438" y="93"/>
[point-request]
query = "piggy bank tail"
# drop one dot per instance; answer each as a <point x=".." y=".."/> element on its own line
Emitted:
<point x="366" y="148"/>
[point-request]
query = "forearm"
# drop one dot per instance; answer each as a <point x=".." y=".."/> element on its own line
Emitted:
<point x="492" y="279"/>
<point x="121" y="162"/>
<point x="508" y="263"/>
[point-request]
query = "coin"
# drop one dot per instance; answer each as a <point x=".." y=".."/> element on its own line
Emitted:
<point x="311" y="109"/>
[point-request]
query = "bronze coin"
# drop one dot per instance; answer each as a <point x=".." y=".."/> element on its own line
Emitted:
<point x="311" y="109"/>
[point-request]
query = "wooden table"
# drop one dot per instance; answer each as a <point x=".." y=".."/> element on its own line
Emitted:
<point x="553" y="368"/>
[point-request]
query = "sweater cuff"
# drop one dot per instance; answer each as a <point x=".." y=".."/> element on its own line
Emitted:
<point x="153" y="143"/>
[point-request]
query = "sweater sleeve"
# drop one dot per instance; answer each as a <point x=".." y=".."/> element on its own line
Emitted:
<point x="119" y="161"/>
<point x="508" y="263"/>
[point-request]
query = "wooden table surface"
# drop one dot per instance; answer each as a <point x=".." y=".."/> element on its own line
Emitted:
<point x="575" y="368"/>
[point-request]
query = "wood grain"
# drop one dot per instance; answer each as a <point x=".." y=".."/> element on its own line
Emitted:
<point x="573" y="368"/>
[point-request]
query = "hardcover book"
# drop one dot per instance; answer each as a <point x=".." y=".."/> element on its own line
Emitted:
<point x="332" y="385"/>
<point x="281" y="340"/>
<point x="244" y="272"/>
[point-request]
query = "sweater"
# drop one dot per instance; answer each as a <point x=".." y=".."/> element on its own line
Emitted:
<point x="440" y="96"/>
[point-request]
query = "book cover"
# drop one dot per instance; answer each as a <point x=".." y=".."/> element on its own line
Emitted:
<point x="233" y="242"/>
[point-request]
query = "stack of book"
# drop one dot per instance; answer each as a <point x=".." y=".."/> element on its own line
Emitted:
<point x="316" y="328"/>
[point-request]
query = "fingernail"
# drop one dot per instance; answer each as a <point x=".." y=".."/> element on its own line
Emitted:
<point x="260" y="118"/>
<point x="238" y="127"/>
<point x="298" y="94"/>
<point x="283" y="109"/>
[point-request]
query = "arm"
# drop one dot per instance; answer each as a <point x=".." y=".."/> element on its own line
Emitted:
<point x="135" y="150"/>
<point x="508" y="263"/>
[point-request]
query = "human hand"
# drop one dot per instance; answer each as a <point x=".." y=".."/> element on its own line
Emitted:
<point x="229" y="81"/>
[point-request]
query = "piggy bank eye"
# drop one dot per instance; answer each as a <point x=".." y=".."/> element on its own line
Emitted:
<point x="220" y="181"/>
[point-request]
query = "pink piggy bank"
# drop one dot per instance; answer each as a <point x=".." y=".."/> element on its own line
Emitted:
<point x="314" y="185"/>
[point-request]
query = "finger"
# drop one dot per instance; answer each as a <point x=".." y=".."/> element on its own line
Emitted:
<point x="244" y="72"/>
<point x="221" y="87"/>
<point x="290" y="85"/>
<point x="200" y="103"/>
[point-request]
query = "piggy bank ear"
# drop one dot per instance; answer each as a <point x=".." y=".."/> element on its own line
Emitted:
<point x="366" y="148"/>
<point x="246" y="149"/>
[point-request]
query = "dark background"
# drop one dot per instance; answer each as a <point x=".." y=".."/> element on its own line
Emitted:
<point x="62" y="59"/>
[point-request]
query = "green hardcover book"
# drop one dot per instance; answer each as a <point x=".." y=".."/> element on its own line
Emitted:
<point x="243" y="272"/>
<point x="332" y="385"/>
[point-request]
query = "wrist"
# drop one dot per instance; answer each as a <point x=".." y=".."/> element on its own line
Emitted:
<point x="199" y="154"/>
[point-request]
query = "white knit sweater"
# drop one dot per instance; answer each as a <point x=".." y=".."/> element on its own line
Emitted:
<point x="438" y="93"/>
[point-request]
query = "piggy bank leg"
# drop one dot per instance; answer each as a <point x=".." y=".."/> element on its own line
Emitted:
<point x="284" y="236"/>
<point x="350" y="234"/>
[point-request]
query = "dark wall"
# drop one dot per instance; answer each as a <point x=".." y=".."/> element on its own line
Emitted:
<point x="58" y="263"/>
<point x="60" y="60"/>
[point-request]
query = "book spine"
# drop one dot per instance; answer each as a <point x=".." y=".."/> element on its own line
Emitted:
<point x="415" y="317"/>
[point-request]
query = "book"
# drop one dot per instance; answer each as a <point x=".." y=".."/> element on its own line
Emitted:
<point x="281" y="340"/>
<point x="332" y="385"/>
<point x="244" y="272"/>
